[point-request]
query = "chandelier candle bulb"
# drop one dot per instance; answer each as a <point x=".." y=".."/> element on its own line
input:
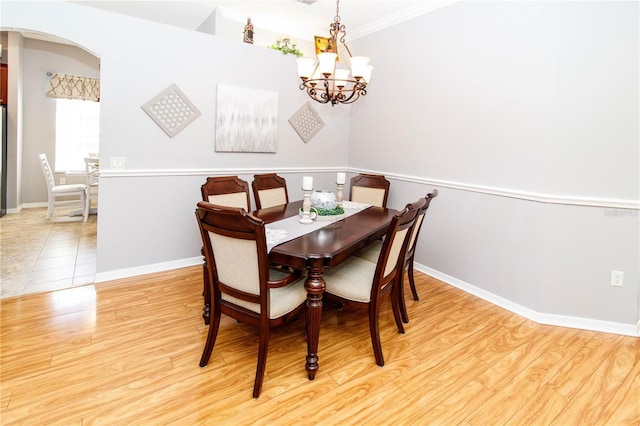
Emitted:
<point x="341" y="178"/>
<point x="342" y="76"/>
<point x="359" y="66"/>
<point x="307" y="183"/>
<point x="367" y="74"/>
<point x="327" y="63"/>
<point x="305" y="67"/>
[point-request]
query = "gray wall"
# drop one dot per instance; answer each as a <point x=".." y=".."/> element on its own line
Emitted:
<point x="524" y="115"/>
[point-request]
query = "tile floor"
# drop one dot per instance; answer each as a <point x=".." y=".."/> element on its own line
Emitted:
<point x="38" y="255"/>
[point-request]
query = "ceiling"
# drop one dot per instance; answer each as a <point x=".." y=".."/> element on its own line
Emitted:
<point x="292" y="17"/>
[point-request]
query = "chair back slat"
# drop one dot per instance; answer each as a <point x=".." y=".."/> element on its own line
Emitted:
<point x="46" y="171"/>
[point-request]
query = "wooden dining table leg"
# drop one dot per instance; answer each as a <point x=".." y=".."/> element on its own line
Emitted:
<point x="315" y="288"/>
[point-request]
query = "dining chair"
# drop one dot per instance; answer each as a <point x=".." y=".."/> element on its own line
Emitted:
<point x="360" y="283"/>
<point x="369" y="189"/>
<point x="229" y="191"/>
<point x="372" y="252"/>
<point x="269" y="190"/>
<point x="71" y="194"/>
<point x="242" y="284"/>
<point x="91" y="169"/>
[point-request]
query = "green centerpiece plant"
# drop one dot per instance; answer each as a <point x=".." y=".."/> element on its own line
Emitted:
<point x="338" y="210"/>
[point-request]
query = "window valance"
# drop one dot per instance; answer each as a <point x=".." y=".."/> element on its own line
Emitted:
<point x="74" y="87"/>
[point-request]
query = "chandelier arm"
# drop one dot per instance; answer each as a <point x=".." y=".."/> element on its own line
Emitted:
<point x="311" y="91"/>
<point x="345" y="99"/>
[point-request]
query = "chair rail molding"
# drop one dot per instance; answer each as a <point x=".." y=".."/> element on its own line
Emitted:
<point x="633" y="205"/>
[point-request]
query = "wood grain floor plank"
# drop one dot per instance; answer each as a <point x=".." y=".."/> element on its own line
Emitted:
<point x="624" y="407"/>
<point x="365" y="411"/>
<point x="453" y="409"/>
<point x="601" y="386"/>
<point x="543" y="407"/>
<point x="127" y="352"/>
<point x="434" y="390"/>
<point x="583" y="364"/>
<point x="521" y="387"/>
<point x="366" y="382"/>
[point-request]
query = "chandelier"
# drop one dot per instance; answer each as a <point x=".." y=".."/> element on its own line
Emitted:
<point x="324" y="81"/>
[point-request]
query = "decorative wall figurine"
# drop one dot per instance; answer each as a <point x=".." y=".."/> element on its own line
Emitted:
<point x="248" y="32"/>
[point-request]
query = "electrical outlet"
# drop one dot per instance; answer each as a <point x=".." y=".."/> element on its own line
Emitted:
<point x="62" y="181"/>
<point x="617" y="278"/>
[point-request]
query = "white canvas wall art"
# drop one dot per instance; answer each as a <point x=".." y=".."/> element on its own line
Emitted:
<point x="246" y="120"/>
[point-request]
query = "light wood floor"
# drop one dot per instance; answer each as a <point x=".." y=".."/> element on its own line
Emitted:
<point x="126" y="353"/>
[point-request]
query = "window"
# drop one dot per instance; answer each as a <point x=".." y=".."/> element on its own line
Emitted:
<point x="77" y="133"/>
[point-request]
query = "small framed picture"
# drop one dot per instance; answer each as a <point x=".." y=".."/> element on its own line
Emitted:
<point x="323" y="44"/>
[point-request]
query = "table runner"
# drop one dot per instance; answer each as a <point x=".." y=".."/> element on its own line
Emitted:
<point x="290" y="228"/>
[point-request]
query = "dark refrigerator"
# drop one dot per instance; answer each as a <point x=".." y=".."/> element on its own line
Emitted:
<point x="3" y="161"/>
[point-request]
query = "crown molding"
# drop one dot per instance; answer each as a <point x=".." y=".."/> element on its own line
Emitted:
<point x="398" y="18"/>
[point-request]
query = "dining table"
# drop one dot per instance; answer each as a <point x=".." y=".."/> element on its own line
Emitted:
<point x="321" y="249"/>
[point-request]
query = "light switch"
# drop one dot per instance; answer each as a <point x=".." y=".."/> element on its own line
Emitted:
<point x="117" y="162"/>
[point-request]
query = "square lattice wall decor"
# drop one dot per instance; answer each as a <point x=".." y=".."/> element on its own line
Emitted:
<point x="306" y="122"/>
<point x="171" y="110"/>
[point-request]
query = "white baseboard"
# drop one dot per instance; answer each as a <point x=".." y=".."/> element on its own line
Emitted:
<point x="147" y="269"/>
<point x="27" y="206"/>
<point x="540" y="318"/>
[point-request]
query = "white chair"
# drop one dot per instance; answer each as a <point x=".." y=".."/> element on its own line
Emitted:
<point x="91" y="171"/>
<point x="55" y="191"/>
